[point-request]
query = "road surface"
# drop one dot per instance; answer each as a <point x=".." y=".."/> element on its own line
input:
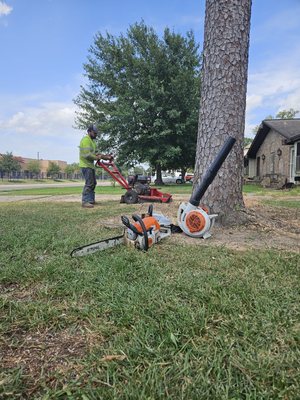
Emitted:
<point x="18" y="186"/>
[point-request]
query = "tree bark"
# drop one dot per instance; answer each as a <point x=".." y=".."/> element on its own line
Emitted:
<point x="158" y="180"/>
<point x="223" y="102"/>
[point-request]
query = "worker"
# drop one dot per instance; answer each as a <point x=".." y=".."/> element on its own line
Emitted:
<point x="87" y="157"/>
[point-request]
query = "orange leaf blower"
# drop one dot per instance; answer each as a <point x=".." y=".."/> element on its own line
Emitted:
<point x="192" y="219"/>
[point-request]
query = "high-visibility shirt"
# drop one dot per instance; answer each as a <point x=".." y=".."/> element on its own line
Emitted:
<point x="87" y="152"/>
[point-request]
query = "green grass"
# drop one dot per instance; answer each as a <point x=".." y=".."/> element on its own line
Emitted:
<point x="259" y="190"/>
<point x="117" y="190"/>
<point x="181" y="322"/>
<point x="283" y="203"/>
<point x="61" y="191"/>
<point x="173" y="189"/>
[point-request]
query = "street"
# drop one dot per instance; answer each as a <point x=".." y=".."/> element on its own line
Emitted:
<point x="18" y="186"/>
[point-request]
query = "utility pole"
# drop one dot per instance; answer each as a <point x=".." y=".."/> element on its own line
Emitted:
<point x="38" y="158"/>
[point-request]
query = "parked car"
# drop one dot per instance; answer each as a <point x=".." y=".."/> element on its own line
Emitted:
<point x="167" y="179"/>
<point x="189" y="177"/>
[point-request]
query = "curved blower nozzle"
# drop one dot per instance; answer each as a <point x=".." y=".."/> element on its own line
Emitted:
<point x="192" y="219"/>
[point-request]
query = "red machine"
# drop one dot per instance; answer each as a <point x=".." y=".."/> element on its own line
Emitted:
<point x="136" y="191"/>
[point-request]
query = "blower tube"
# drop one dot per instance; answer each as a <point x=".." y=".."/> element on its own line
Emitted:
<point x="212" y="171"/>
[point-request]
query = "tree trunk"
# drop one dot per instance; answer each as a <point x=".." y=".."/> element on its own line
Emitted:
<point x="223" y="102"/>
<point x="158" y="180"/>
<point x="183" y="172"/>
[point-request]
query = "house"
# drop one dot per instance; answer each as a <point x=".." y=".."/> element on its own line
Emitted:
<point x="274" y="155"/>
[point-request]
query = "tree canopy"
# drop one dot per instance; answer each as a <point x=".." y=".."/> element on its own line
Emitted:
<point x="287" y="114"/>
<point x="53" y="169"/>
<point x="143" y="92"/>
<point x="9" y="164"/>
<point x="34" y="167"/>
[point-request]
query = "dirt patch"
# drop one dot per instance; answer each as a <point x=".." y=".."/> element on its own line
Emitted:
<point x="46" y="354"/>
<point x="55" y="352"/>
<point x="17" y="292"/>
<point x="42" y="349"/>
<point x="267" y="227"/>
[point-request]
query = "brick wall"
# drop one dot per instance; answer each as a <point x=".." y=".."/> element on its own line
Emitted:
<point x="274" y="167"/>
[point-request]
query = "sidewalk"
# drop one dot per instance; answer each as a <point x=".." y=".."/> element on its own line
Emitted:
<point x="18" y="186"/>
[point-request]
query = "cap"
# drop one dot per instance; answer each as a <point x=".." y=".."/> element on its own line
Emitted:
<point x="92" y="128"/>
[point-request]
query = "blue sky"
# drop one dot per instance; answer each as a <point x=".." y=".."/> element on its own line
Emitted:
<point x="44" y="43"/>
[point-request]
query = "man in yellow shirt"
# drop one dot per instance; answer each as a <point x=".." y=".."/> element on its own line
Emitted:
<point x="87" y="157"/>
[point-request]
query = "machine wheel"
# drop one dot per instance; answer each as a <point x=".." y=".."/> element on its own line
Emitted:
<point x="179" y="181"/>
<point x="131" y="197"/>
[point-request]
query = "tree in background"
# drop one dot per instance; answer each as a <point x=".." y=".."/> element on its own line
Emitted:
<point x="53" y="170"/>
<point x="223" y="102"/>
<point x="144" y="93"/>
<point x="71" y="170"/>
<point x="77" y="169"/>
<point x="9" y="164"/>
<point x="34" y="168"/>
<point x="287" y="114"/>
<point x="247" y="141"/>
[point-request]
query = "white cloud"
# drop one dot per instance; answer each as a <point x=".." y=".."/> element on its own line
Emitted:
<point x="41" y="122"/>
<point x="253" y="101"/>
<point x="47" y="129"/>
<point x="192" y="20"/>
<point x="5" y="9"/>
<point x="273" y="86"/>
<point x="46" y="120"/>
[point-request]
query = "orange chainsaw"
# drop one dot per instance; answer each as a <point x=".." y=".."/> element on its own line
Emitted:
<point x="144" y="232"/>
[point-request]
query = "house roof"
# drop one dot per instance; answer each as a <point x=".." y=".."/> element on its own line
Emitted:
<point x="289" y="129"/>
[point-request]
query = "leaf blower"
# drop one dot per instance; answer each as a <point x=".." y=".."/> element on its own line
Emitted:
<point x="192" y="219"/>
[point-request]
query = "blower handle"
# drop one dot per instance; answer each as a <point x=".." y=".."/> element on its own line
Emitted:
<point x="212" y="171"/>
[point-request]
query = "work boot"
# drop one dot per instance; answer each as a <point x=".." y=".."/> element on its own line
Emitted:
<point x="87" y="205"/>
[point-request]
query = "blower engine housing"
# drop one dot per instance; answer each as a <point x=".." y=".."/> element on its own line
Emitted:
<point x="195" y="221"/>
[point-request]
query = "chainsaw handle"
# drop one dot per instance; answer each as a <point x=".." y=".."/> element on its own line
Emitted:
<point x="150" y="210"/>
<point x="128" y="225"/>
<point x="138" y="219"/>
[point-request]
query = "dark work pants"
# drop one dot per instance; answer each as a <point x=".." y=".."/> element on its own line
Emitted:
<point x="88" y="193"/>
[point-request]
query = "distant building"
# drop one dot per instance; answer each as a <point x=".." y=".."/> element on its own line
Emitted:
<point x="44" y="165"/>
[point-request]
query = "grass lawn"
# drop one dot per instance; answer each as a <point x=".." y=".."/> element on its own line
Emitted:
<point x="61" y="191"/>
<point x="118" y="190"/>
<point x="259" y="190"/>
<point x="177" y="322"/>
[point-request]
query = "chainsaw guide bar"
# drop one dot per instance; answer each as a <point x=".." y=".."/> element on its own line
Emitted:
<point x="98" y="246"/>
